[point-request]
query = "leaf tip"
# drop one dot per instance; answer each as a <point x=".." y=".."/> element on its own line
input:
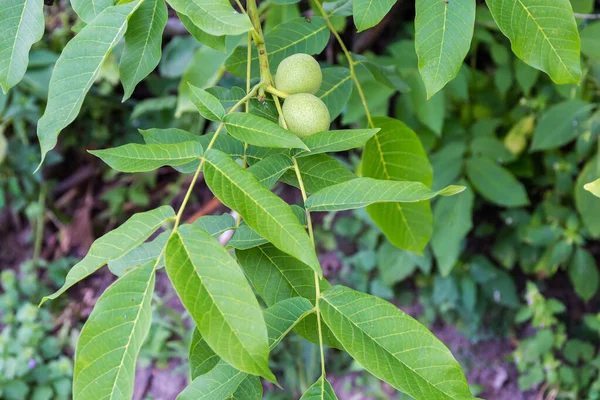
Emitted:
<point x="452" y="190"/>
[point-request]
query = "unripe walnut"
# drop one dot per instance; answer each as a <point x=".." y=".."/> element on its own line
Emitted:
<point x="299" y="73"/>
<point x="305" y="114"/>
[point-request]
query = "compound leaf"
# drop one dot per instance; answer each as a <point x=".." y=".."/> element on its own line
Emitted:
<point x="219" y="383"/>
<point x="335" y="90"/>
<point x="208" y="105"/>
<point x="201" y="357"/>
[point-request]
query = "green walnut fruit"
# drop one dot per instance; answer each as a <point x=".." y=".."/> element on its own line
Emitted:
<point x="305" y="114"/>
<point x="299" y="73"/>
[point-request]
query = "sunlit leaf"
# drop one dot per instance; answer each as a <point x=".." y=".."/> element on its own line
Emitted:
<point x="584" y="275"/>
<point x="362" y="192"/>
<point x="395" y="153"/>
<point x="208" y="105"/>
<point x="393" y="346"/>
<point x="334" y="141"/>
<point x="77" y="69"/>
<point x="214" y="290"/>
<point x="368" y="13"/>
<point x="143" y="42"/>
<point x="257" y="131"/>
<point x="270" y="169"/>
<point x="588" y="204"/>
<point x="443" y="32"/>
<point x="320" y="390"/>
<point x="115" y="244"/>
<point x="262" y="210"/>
<point x="282" y="316"/>
<point x="21" y="24"/>
<point x="145" y="252"/>
<point x="134" y="157"/>
<point x="543" y="34"/>
<point x="593" y="187"/>
<point x="111" y="338"/>
<point x="219" y="383"/>
<point x="216" y="17"/>
<point x="212" y="41"/>
<point x="90" y="9"/>
<point x="318" y="172"/>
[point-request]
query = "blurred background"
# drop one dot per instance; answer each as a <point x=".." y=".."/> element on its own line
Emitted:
<point x="509" y="281"/>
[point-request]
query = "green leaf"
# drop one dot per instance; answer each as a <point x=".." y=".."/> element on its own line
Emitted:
<point x="559" y="124"/>
<point x="392" y="346"/>
<point x="215" y="17"/>
<point x="249" y="389"/>
<point x="320" y="390"/>
<point x="362" y="192"/>
<point x="335" y="90"/>
<point x="203" y="71"/>
<point x="452" y="219"/>
<point x="495" y="283"/>
<point x="593" y="187"/>
<point x="257" y="131"/>
<point x="385" y="74"/>
<point x="368" y="13"/>
<point x="281" y="317"/>
<point x="208" y="105"/>
<point x="275" y="275"/>
<point x="90" y="9"/>
<point x="111" y="339"/>
<point x="495" y="183"/>
<point x="430" y="111"/>
<point x="262" y="210"/>
<point x="296" y="36"/>
<point x="77" y="69"/>
<point x="115" y="244"/>
<point x="245" y="238"/>
<point x="586" y="203"/>
<point x="22" y="24"/>
<point x="271" y="168"/>
<point x="590" y="40"/>
<point x="143" y="42"/>
<point x="214" y="290"/>
<point x="583" y="272"/>
<point x="448" y="164"/>
<point x="135" y="157"/>
<point x="443" y="32"/>
<point x="544" y="35"/>
<point x="219" y="383"/>
<point x="216" y="225"/>
<point x="202" y="358"/>
<point x="224" y="143"/>
<point x="318" y="172"/>
<point x="212" y="41"/>
<point x="145" y="252"/>
<point x="334" y="141"/>
<point x="395" y="153"/>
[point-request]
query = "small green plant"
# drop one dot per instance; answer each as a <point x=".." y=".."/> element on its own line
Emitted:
<point x="569" y="367"/>
<point x="33" y="364"/>
<point x="244" y="152"/>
